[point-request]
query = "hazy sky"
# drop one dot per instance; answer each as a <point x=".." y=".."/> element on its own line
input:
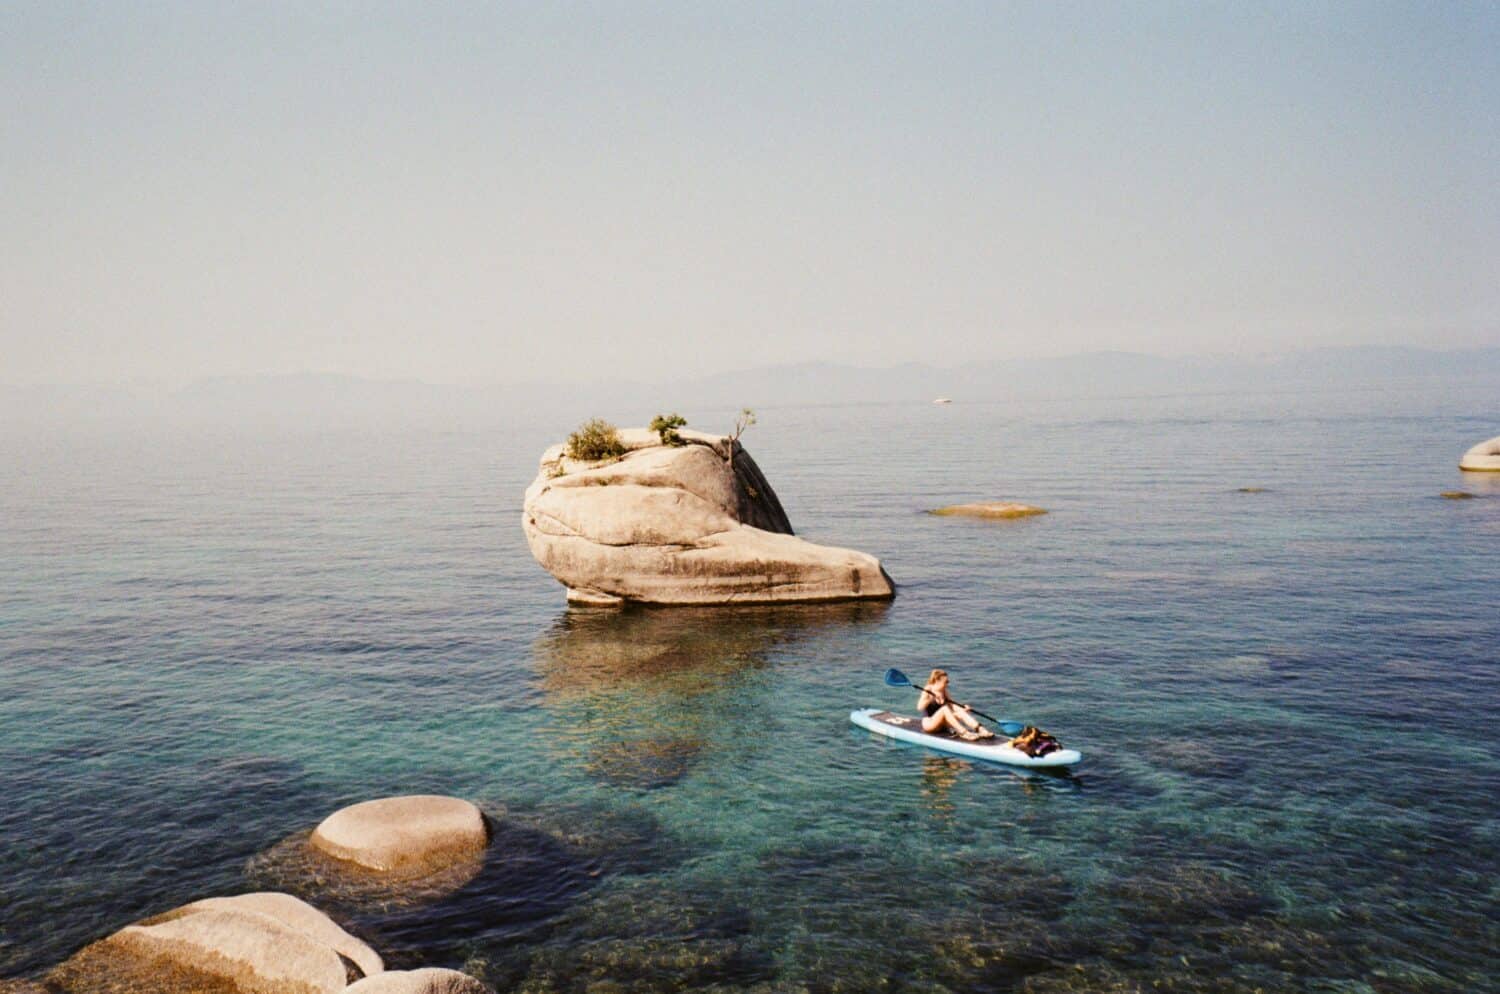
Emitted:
<point x="566" y="191"/>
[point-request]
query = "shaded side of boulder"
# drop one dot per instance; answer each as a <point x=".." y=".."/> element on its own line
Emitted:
<point x="411" y="835"/>
<point x="220" y="946"/>
<point x="426" y="981"/>
<point x="681" y="525"/>
<point x="1482" y="458"/>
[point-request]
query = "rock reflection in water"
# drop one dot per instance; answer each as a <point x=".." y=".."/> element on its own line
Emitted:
<point x="638" y="690"/>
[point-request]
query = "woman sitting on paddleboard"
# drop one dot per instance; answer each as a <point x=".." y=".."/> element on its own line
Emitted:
<point x="939" y="713"/>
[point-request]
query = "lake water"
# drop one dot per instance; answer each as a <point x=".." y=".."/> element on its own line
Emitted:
<point x="1287" y="701"/>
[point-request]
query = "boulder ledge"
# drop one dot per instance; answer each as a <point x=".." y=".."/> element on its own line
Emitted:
<point x="696" y="523"/>
<point x="264" y="943"/>
<point x="426" y="981"/>
<point x="1482" y="458"/>
<point x="413" y="835"/>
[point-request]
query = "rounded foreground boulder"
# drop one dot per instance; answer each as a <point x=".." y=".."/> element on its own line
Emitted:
<point x="265" y="943"/>
<point x="1482" y="458"/>
<point x="989" y="509"/>
<point x="412" y="835"/>
<point x="428" y="981"/>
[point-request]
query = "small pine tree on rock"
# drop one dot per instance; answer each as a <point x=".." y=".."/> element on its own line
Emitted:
<point x="666" y="425"/>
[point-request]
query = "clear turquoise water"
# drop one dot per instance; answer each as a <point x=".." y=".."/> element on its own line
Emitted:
<point x="1287" y="701"/>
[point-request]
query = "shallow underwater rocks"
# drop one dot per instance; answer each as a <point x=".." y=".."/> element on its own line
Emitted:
<point x="1185" y="893"/>
<point x="1198" y="758"/>
<point x="607" y="841"/>
<point x="1017" y="886"/>
<point x="424" y="981"/>
<point x="251" y="944"/>
<point x="645" y="763"/>
<point x="839" y="919"/>
<point x="413" y="835"/>
<point x="521" y="881"/>
<point x="639" y="936"/>
<point x="689" y="524"/>
<point x="994" y="510"/>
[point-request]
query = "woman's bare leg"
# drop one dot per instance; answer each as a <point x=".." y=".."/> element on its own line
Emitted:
<point x="957" y="720"/>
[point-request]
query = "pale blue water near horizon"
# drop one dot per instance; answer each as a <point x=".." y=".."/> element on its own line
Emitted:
<point x="1287" y="700"/>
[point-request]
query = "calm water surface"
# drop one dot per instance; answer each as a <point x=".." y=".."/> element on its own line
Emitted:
<point x="1287" y="700"/>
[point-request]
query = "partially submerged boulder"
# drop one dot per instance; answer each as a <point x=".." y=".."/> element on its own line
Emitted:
<point x="426" y="981"/>
<point x="990" y="509"/>
<point x="1482" y="458"/>
<point x="696" y="523"/>
<point x="252" y="944"/>
<point x="407" y="836"/>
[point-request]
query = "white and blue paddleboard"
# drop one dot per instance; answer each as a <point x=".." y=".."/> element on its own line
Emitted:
<point x="996" y="750"/>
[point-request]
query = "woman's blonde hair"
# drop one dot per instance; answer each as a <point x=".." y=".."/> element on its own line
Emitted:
<point x="936" y="676"/>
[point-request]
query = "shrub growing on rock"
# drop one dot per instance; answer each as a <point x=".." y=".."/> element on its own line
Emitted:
<point x="666" y="425"/>
<point x="595" y="439"/>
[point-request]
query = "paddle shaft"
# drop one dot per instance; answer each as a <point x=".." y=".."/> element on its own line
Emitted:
<point x="896" y="678"/>
<point x="971" y="710"/>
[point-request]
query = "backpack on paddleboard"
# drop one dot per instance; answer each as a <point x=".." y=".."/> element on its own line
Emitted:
<point x="1035" y="742"/>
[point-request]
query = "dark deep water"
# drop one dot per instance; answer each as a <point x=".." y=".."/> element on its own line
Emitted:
<point x="1287" y="701"/>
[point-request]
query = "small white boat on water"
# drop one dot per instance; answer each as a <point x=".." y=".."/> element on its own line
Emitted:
<point x="943" y="400"/>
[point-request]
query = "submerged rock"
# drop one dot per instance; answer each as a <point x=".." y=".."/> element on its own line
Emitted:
<point x="696" y="523"/>
<point x="991" y="509"/>
<point x="1482" y="458"/>
<point x="426" y="981"/>
<point x="252" y="944"/>
<point x="1186" y="893"/>
<point x="408" y="836"/>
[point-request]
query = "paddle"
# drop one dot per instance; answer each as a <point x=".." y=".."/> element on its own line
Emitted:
<point x="895" y="678"/>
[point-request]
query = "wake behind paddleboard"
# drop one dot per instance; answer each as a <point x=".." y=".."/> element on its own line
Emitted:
<point x="996" y="750"/>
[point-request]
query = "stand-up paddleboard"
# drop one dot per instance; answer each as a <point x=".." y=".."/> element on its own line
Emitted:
<point x="996" y="750"/>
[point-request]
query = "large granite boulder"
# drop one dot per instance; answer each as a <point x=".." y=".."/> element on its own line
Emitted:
<point x="427" y="981"/>
<point x="252" y="944"/>
<point x="1482" y="458"/>
<point x="406" y="836"/>
<point x="691" y="524"/>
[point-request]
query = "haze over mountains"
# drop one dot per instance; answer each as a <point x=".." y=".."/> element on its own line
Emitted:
<point x="313" y="398"/>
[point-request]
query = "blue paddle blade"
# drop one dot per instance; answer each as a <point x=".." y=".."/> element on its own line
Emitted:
<point x="1011" y="728"/>
<point x="895" y="678"/>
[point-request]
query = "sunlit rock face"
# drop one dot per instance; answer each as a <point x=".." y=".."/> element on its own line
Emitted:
<point x="264" y="943"/>
<point x="1482" y="458"/>
<point x="425" y="981"/>
<point x="690" y="524"/>
<point x="410" y="836"/>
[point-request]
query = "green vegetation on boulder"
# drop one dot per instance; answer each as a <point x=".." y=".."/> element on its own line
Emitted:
<point x="595" y="440"/>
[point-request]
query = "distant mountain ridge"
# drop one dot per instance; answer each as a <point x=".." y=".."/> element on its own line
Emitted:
<point x="1096" y="373"/>
<point x="334" y="398"/>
